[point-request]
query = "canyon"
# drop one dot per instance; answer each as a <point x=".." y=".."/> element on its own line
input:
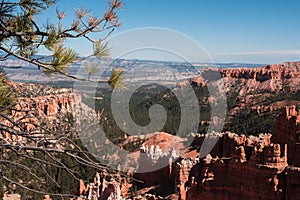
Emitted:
<point x="239" y="166"/>
<point x="265" y="166"/>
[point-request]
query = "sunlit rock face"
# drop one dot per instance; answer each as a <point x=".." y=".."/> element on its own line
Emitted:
<point x="39" y="106"/>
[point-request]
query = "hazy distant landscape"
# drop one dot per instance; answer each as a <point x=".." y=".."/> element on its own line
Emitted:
<point x="20" y="71"/>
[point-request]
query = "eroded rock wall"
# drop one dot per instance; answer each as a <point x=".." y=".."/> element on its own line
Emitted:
<point x="287" y="131"/>
<point x="240" y="167"/>
<point x="33" y="113"/>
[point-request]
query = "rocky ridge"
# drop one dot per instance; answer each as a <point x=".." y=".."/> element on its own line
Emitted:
<point x="32" y="109"/>
<point x="238" y="167"/>
<point x="256" y="95"/>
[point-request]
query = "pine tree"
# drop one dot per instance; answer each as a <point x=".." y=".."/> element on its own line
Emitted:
<point x="22" y="36"/>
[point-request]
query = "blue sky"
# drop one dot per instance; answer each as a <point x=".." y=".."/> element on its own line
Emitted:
<point x="257" y="31"/>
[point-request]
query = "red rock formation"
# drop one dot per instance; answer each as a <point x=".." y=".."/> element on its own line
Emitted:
<point x="101" y="189"/>
<point x="245" y="168"/>
<point x="82" y="188"/>
<point x="285" y="71"/>
<point x="287" y="131"/>
<point x="183" y="171"/>
<point x="156" y="166"/>
<point x="238" y="167"/>
<point x="29" y="112"/>
<point x="47" y="105"/>
<point x="255" y="84"/>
